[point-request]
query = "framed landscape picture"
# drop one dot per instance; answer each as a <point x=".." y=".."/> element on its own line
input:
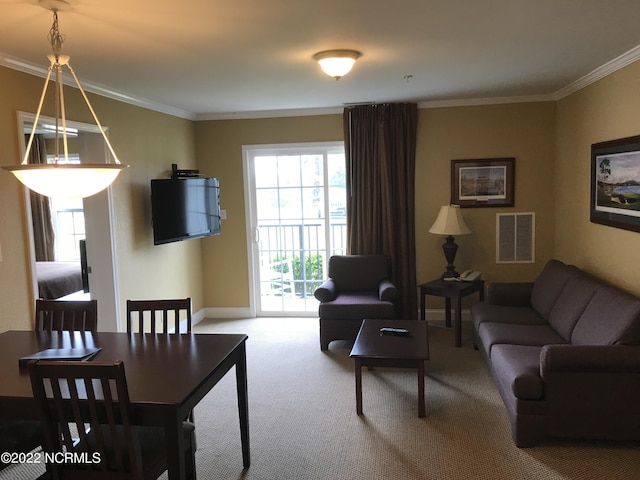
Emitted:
<point x="615" y="183"/>
<point x="483" y="182"/>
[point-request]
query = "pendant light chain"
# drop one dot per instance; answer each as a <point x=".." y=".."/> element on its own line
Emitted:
<point x="56" y="39"/>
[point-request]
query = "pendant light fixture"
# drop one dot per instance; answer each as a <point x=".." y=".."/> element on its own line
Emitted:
<point x="62" y="178"/>
<point x="336" y="63"/>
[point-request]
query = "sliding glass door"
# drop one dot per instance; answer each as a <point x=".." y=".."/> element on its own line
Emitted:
<point x="297" y="219"/>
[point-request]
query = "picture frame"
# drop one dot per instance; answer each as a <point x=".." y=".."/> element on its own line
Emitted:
<point x="615" y="183"/>
<point x="488" y="182"/>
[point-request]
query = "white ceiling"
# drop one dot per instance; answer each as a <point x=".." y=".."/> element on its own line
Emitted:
<point x="238" y="58"/>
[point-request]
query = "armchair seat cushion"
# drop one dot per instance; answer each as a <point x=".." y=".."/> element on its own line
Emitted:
<point x="357" y="305"/>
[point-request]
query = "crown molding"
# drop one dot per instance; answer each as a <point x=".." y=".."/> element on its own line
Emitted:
<point x="38" y="71"/>
<point x="599" y="73"/>
<point x="293" y="112"/>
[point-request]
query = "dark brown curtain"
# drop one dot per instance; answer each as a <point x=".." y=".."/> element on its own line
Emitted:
<point x="380" y="147"/>
<point x="43" y="234"/>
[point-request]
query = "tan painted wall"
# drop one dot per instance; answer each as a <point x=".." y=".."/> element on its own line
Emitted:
<point x="149" y="142"/>
<point x="524" y="131"/>
<point x="606" y="110"/>
<point x="549" y="140"/>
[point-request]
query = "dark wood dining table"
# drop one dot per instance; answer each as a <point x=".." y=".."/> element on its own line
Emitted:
<point x="167" y="376"/>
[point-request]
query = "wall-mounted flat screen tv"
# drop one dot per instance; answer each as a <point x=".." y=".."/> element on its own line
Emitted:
<point x="184" y="208"/>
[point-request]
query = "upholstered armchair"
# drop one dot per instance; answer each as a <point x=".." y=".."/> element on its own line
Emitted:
<point x="358" y="287"/>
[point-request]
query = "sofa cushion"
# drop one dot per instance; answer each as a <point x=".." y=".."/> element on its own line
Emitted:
<point x="611" y="318"/>
<point x="492" y="334"/>
<point x="357" y="306"/>
<point x="573" y="300"/>
<point x="518" y="367"/>
<point x="486" y="312"/>
<point x="548" y="286"/>
<point x="358" y="273"/>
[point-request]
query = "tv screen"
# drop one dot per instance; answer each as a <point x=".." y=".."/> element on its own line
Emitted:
<point x="185" y="208"/>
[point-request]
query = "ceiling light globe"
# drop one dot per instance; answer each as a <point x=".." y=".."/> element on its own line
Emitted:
<point x="336" y="63"/>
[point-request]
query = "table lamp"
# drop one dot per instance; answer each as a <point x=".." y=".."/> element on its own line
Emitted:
<point x="449" y="222"/>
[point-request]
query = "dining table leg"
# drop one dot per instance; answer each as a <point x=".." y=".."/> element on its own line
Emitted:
<point x="243" y="403"/>
<point x="175" y="447"/>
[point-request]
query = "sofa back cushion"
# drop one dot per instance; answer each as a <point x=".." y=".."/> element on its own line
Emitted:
<point x="572" y="302"/>
<point x="358" y="273"/>
<point x="611" y="318"/>
<point x="548" y="286"/>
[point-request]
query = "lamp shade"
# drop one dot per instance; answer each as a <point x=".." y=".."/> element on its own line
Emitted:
<point x="336" y="63"/>
<point x="449" y="222"/>
<point x="67" y="180"/>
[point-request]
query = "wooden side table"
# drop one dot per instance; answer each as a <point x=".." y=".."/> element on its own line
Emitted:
<point x="450" y="291"/>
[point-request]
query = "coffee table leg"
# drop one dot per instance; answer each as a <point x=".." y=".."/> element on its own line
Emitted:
<point x="421" y="408"/>
<point x="358" y="386"/>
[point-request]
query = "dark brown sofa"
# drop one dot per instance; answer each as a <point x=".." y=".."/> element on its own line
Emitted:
<point x="564" y="352"/>
<point x="358" y="287"/>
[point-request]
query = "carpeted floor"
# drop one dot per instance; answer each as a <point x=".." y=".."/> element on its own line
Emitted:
<point x="303" y="424"/>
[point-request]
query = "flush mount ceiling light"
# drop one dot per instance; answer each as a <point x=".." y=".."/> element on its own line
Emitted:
<point x="63" y="178"/>
<point x="336" y="63"/>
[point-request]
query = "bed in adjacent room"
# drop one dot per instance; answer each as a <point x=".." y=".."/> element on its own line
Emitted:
<point x="57" y="279"/>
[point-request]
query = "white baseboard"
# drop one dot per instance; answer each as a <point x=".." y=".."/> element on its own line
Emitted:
<point x="226" y="312"/>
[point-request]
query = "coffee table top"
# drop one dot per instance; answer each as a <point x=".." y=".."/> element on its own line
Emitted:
<point x="371" y="344"/>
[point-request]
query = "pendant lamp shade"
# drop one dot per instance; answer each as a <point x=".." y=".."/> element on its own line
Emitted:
<point x="63" y="178"/>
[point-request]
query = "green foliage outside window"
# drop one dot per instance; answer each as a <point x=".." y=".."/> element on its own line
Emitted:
<point x="313" y="269"/>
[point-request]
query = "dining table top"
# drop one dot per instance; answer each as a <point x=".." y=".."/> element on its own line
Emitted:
<point x="161" y="370"/>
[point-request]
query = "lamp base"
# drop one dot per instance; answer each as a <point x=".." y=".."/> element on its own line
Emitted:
<point x="450" y="248"/>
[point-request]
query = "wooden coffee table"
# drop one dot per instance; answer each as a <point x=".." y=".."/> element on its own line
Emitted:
<point x="372" y="349"/>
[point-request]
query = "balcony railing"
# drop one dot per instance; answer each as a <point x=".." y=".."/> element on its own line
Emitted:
<point x="304" y="247"/>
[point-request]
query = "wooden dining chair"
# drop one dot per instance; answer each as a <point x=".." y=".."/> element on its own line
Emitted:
<point x="158" y="316"/>
<point x="67" y="315"/>
<point x="73" y="395"/>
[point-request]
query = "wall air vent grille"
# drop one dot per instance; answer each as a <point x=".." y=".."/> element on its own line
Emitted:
<point x="515" y="237"/>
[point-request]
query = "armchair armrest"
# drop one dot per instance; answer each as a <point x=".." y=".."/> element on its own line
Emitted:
<point x="326" y="292"/>
<point x="512" y="294"/>
<point x="387" y="291"/>
<point x="589" y="359"/>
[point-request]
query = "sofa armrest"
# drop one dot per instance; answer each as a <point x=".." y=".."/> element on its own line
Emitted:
<point x="326" y="292"/>
<point x="512" y="294"/>
<point x="387" y="291"/>
<point x="589" y="359"/>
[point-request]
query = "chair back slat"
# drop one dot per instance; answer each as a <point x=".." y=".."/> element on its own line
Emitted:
<point x="82" y="394"/>
<point x="66" y="315"/>
<point x="158" y="316"/>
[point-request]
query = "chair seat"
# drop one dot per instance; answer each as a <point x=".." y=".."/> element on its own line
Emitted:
<point x="357" y="305"/>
